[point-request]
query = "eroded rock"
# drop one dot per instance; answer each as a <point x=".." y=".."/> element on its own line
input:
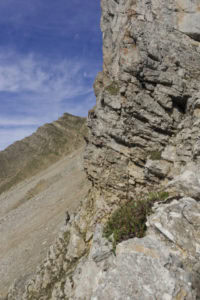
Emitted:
<point x="162" y="265"/>
<point x="147" y="102"/>
<point x="188" y="183"/>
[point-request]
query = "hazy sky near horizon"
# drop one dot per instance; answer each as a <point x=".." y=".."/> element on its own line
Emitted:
<point x="50" y="53"/>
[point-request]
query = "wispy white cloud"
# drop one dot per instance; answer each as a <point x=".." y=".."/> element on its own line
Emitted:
<point x="18" y="122"/>
<point x="63" y="79"/>
<point x="41" y="90"/>
<point x="50" y="53"/>
<point x="9" y="136"/>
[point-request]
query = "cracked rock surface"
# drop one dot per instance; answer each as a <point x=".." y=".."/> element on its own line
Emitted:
<point x="162" y="265"/>
<point x="144" y="135"/>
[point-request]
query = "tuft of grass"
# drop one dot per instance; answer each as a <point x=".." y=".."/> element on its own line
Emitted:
<point x="128" y="221"/>
<point x="113" y="88"/>
<point x="157" y="196"/>
<point x="155" y="155"/>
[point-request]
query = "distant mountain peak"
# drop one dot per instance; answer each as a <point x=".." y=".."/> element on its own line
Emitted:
<point x="47" y="145"/>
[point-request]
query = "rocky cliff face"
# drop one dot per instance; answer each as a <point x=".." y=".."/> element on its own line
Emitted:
<point x="147" y="95"/>
<point x="144" y="134"/>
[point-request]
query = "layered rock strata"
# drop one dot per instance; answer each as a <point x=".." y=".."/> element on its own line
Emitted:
<point x="147" y="95"/>
<point x="143" y="133"/>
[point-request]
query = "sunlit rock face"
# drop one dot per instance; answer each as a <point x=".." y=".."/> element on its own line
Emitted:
<point x="188" y="16"/>
<point x="147" y="95"/>
<point x="144" y="134"/>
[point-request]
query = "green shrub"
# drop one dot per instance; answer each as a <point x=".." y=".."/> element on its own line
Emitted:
<point x="129" y="220"/>
<point x="113" y="88"/>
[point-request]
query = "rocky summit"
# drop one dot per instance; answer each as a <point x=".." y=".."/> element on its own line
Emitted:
<point x="144" y="137"/>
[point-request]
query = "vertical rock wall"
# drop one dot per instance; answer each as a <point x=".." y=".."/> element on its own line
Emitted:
<point x="143" y="132"/>
<point x="145" y="126"/>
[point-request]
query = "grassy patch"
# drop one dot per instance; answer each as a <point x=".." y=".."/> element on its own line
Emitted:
<point x="129" y="220"/>
<point x="113" y="88"/>
<point x="155" y="155"/>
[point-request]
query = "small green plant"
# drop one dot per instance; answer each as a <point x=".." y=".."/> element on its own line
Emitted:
<point x="157" y="196"/>
<point x="155" y="155"/>
<point x="113" y="88"/>
<point x="129" y="220"/>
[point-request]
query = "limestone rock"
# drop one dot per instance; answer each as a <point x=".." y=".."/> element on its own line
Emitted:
<point x="188" y="18"/>
<point x="76" y="246"/>
<point x="158" y="266"/>
<point x="178" y="223"/>
<point x="156" y="168"/>
<point x="148" y="93"/>
<point x="89" y="272"/>
<point x="162" y="265"/>
<point x="101" y="247"/>
<point x="188" y="183"/>
<point x="139" y="272"/>
<point x="147" y="102"/>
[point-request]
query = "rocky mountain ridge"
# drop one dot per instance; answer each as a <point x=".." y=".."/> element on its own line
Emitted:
<point x="47" y="145"/>
<point x="143" y="136"/>
<point x="45" y="179"/>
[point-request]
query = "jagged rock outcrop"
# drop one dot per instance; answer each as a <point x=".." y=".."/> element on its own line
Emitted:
<point x="153" y="267"/>
<point x="147" y="94"/>
<point x="47" y="145"/>
<point x="143" y="135"/>
<point x="162" y="265"/>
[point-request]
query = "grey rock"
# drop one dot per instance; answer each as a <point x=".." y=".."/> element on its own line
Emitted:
<point x="156" y="168"/>
<point x="158" y="266"/>
<point x="169" y="153"/>
<point x="76" y="246"/>
<point x="188" y="183"/>
<point x="148" y="53"/>
<point x="178" y="222"/>
<point x="87" y="275"/>
<point x="152" y="60"/>
<point x="101" y="247"/>
<point x="139" y="272"/>
<point x="188" y="18"/>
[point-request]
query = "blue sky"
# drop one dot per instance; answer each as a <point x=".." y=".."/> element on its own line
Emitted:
<point x="50" y="53"/>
